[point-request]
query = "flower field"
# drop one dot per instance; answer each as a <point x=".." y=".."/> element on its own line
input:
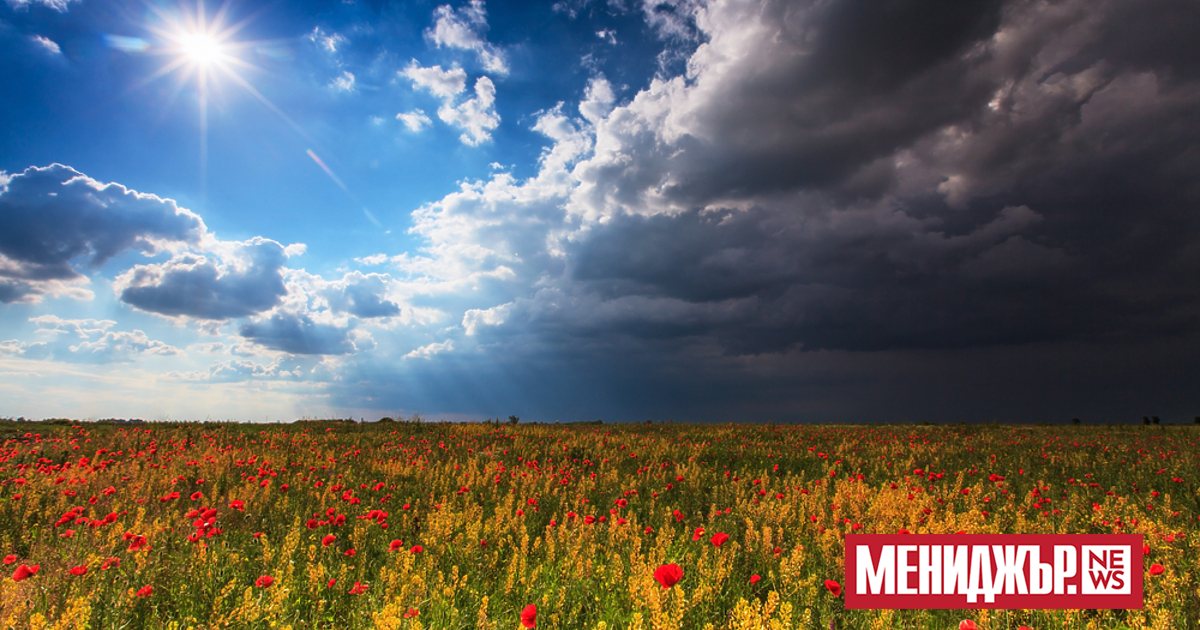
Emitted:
<point x="426" y="525"/>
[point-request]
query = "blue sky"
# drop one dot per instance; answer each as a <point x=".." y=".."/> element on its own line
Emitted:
<point x="754" y="210"/>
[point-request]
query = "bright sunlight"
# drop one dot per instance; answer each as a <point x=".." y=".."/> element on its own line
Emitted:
<point x="201" y="48"/>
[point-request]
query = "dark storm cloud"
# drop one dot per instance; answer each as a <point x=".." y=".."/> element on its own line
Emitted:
<point x="297" y="333"/>
<point x="794" y="95"/>
<point x="247" y="280"/>
<point x="951" y="205"/>
<point x="910" y="175"/>
<point x="54" y="215"/>
<point x="759" y="281"/>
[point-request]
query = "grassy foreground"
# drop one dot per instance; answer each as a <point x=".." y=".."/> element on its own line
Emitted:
<point x="407" y="525"/>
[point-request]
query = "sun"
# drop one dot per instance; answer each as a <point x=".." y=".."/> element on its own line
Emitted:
<point x="199" y="46"/>
<point x="201" y="49"/>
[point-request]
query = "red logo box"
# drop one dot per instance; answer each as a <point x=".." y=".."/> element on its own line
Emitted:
<point x="1042" y="571"/>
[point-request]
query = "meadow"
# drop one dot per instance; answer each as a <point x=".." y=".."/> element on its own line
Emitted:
<point x="573" y="526"/>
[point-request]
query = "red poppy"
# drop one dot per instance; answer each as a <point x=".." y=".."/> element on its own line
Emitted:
<point x="358" y="588"/>
<point x="834" y="587"/>
<point x="412" y="612"/>
<point x="396" y="545"/>
<point x="264" y="581"/>
<point x="1024" y="628"/>
<point x="698" y="533"/>
<point x="529" y="616"/>
<point x="967" y="624"/>
<point x="329" y="539"/>
<point x="110" y="563"/>
<point x="24" y="571"/>
<point x="332" y="581"/>
<point x="196" y="496"/>
<point x="350" y="552"/>
<point x="755" y="578"/>
<point x="719" y="539"/>
<point x="9" y="559"/>
<point x="417" y="549"/>
<point x="668" y="575"/>
<point x="80" y="570"/>
<point x="145" y="591"/>
<point x="1155" y="569"/>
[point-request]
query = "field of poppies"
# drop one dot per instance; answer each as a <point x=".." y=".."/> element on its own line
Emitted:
<point x="585" y="526"/>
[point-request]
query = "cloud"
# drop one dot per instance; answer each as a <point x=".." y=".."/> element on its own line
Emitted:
<point x="414" y="120"/>
<point x="284" y="368"/>
<point x="445" y="84"/>
<point x="847" y="177"/>
<point x="598" y="101"/>
<point x="58" y="5"/>
<point x="424" y="352"/>
<point x="373" y="259"/>
<point x="476" y="317"/>
<point x="344" y="83"/>
<point x="329" y="42"/>
<point x="463" y="28"/>
<point x="122" y="344"/>
<point x="673" y="19"/>
<point x="476" y="116"/>
<point x="297" y="333"/>
<point x="53" y="216"/>
<point x="85" y="341"/>
<point x="360" y="295"/>
<point x="48" y="44"/>
<point x="231" y="280"/>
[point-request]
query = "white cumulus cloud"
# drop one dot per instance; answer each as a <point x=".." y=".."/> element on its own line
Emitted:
<point x="462" y="28"/>
<point x="445" y="84"/>
<point x="424" y="352"/>
<point x="415" y="120"/>
<point x="476" y="116"/>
